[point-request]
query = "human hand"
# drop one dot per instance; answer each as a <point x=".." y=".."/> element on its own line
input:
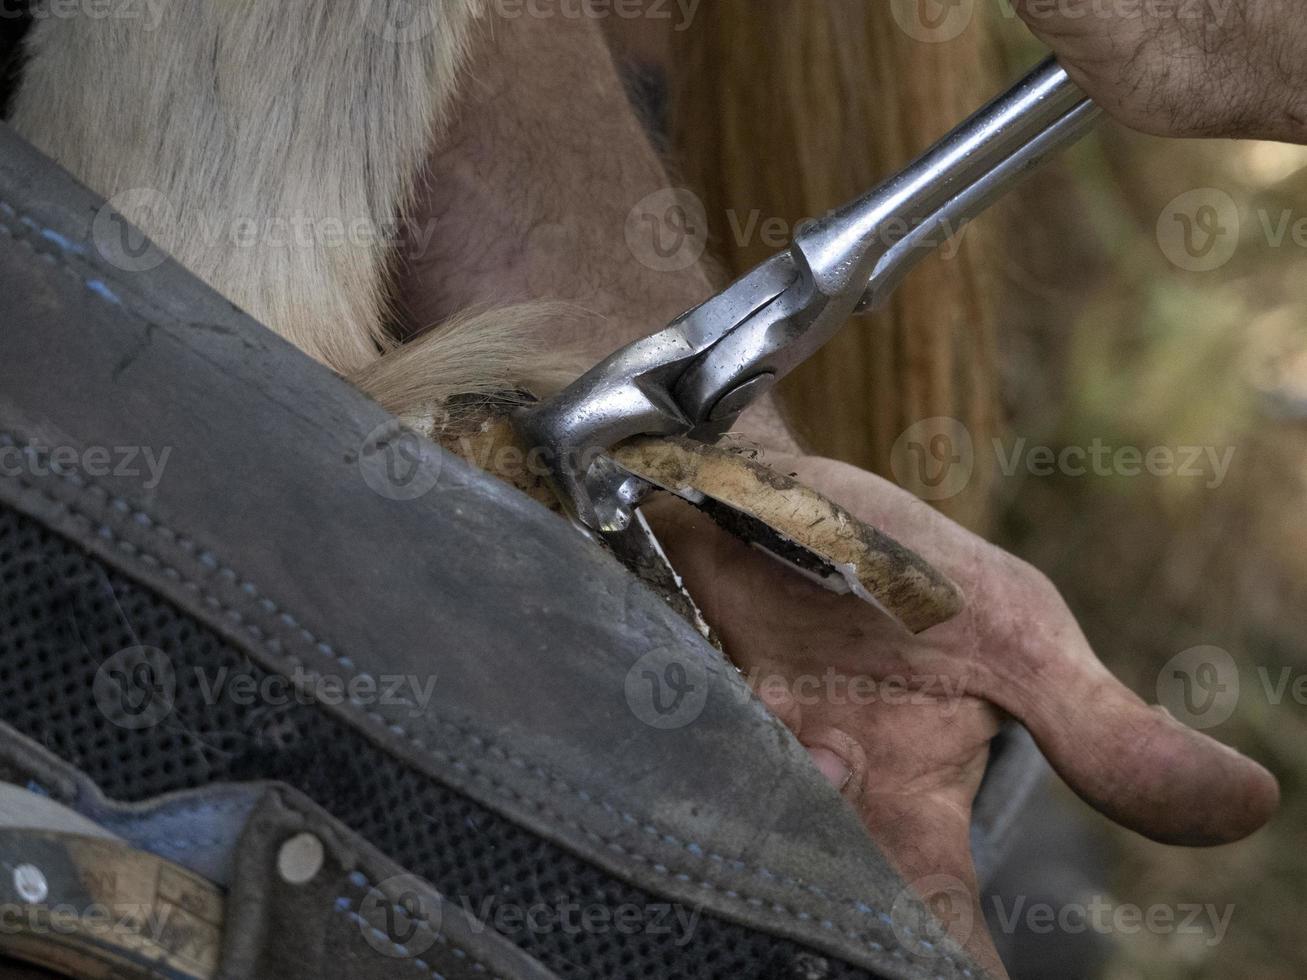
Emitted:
<point x="901" y="724"/>
<point x="550" y="105"/>
<point x="1230" y="68"/>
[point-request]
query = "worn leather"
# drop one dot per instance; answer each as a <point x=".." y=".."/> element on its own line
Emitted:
<point x="264" y="527"/>
<point x="337" y="923"/>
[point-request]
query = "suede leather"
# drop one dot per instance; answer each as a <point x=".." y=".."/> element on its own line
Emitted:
<point x="338" y="923"/>
<point x="264" y="527"/>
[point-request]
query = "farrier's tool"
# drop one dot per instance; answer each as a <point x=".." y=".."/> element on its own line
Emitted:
<point x="694" y="378"/>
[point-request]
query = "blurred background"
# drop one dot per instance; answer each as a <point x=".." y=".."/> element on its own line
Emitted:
<point x="1142" y="296"/>
<point x="1116" y="328"/>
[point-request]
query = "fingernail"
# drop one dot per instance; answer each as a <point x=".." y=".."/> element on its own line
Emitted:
<point x="833" y="767"/>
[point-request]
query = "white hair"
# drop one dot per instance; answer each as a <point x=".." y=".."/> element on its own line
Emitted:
<point x="271" y="148"/>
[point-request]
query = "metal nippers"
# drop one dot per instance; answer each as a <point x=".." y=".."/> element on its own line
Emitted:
<point x="698" y="374"/>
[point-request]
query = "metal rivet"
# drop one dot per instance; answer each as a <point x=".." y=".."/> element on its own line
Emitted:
<point x="30" y="884"/>
<point x="300" y="859"/>
<point x="738" y="399"/>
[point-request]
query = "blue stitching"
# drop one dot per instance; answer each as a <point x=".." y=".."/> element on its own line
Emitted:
<point x="382" y="937"/>
<point x="96" y="286"/>
<point x="344" y="905"/>
<point x="484" y="746"/>
<point x="480" y="743"/>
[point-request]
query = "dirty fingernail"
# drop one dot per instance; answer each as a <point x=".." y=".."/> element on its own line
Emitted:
<point x="832" y="766"/>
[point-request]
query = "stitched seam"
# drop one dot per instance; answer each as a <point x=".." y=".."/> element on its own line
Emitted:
<point x="17" y="228"/>
<point x="352" y="916"/>
<point x="479" y="743"/>
<point x="208" y="559"/>
<point x="344" y="905"/>
<point x="415" y="961"/>
<point x="361" y="881"/>
<point x="484" y="746"/>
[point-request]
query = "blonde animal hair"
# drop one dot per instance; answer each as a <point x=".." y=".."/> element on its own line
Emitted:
<point x="268" y="145"/>
<point x="785" y="109"/>
<point x="481" y="358"/>
<point x="320" y="112"/>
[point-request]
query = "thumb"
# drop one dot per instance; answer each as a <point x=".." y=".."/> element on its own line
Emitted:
<point x="1137" y="764"/>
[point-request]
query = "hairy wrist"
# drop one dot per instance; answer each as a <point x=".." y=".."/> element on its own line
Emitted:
<point x="1215" y="70"/>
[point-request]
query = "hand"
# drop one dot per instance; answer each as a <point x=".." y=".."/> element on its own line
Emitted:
<point x="901" y="725"/>
<point x="546" y="112"/>
<point x="1235" y="68"/>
